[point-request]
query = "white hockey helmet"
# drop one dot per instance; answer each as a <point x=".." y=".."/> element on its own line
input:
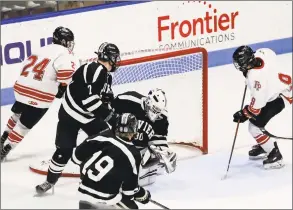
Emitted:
<point x="156" y="104"/>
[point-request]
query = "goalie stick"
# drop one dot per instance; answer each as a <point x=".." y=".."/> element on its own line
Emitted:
<point x="273" y="136"/>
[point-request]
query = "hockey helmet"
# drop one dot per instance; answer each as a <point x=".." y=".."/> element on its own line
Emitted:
<point x="126" y="124"/>
<point x="64" y="36"/>
<point x="110" y="53"/>
<point x="243" y="58"/>
<point x="155" y="104"/>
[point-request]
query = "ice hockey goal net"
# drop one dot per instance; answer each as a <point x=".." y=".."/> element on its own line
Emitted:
<point x="183" y="75"/>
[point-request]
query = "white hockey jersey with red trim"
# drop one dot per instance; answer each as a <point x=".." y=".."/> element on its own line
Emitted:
<point x="42" y="73"/>
<point x="267" y="82"/>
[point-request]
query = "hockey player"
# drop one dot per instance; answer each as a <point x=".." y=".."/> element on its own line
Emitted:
<point x="44" y="76"/>
<point x="109" y="165"/>
<point x="83" y="107"/>
<point x="270" y="91"/>
<point x="151" y="138"/>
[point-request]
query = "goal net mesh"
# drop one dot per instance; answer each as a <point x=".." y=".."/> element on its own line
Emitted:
<point x="183" y="76"/>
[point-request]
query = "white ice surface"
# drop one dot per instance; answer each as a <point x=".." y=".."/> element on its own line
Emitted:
<point x="197" y="181"/>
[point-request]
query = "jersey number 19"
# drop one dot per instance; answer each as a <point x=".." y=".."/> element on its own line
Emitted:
<point x="102" y="167"/>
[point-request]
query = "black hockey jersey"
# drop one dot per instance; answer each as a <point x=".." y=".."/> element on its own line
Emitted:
<point x="148" y="132"/>
<point x="82" y="99"/>
<point x="107" y="163"/>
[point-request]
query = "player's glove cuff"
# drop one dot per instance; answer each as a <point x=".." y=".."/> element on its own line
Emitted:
<point x="107" y="97"/>
<point x="245" y="114"/>
<point x="61" y="90"/>
<point x="143" y="196"/>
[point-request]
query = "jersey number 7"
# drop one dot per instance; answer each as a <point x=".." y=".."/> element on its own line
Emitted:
<point x="37" y="68"/>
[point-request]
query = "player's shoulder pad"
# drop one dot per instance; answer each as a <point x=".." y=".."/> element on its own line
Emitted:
<point x="94" y="66"/>
<point x="61" y="51"/>
<point x="264" y="52"/>
<point x="94" y="71"/>
<point x="254" y="75"/>
<point x="133" y="93"/>
<point x="162" y="121"/>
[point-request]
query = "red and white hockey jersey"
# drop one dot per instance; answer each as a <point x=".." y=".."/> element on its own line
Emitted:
<point x="267" y="82"/>
<point x="42" y="73"/>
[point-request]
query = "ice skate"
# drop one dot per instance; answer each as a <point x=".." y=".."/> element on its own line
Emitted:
<point x="274" y="159"/>
<point x="257" y="153"/>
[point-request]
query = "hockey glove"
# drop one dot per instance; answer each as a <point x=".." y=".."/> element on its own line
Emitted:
<point x="61" y="89"/>
<point x="107" y="97"/>
<point x="142" y="196"/>
<point x="243" y="115"/>
<point x="167" y="157"/>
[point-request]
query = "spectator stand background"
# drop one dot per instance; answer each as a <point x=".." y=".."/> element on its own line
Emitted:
<point x="15" y="9"/>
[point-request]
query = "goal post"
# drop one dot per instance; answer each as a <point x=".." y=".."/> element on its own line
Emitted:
<point x="183" y="75"/>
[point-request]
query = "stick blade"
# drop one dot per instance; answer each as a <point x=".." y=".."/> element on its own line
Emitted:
<point x="224" y="177"/>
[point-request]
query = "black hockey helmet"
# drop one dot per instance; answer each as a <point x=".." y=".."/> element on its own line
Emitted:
<point x="64" y="36"/>
<point x="126" y="124"/>
<point x="109" y="52"/>
<point x="243" y="58"/>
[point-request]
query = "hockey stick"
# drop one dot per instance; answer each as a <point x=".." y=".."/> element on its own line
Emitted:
<point x="273" y="136"/>
<point x="236" y="132"/>
<point x="158" y="204"/>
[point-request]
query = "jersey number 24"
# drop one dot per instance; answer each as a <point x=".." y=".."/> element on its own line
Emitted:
<point x="36" y="67"/>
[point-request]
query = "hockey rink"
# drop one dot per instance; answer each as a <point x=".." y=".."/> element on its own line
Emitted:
<point x="197" y="181"/>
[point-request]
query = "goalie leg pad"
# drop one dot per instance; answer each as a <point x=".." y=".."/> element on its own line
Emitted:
<point x="148" y="174"/>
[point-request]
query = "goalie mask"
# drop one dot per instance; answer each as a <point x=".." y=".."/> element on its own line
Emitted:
<point x="155" y="104"/>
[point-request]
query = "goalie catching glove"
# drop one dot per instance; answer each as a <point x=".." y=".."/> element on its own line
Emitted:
<point x="167" y="157"/>
<point x="243" y="115"/>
